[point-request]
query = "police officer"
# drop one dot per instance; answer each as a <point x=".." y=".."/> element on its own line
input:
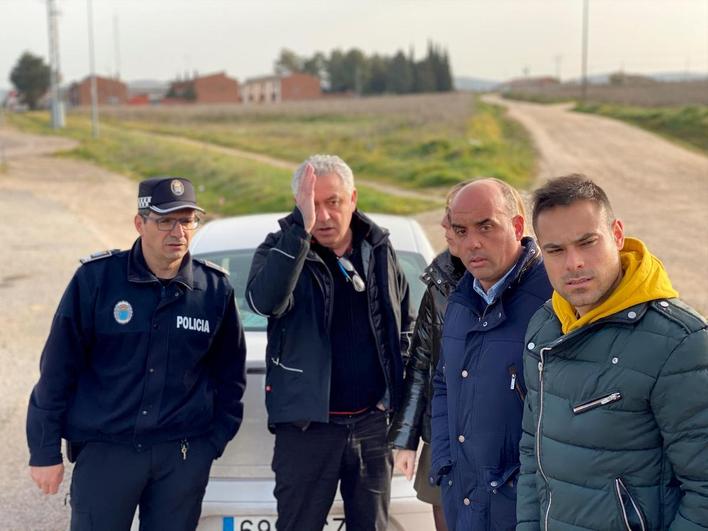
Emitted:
<point x="142" y="373"/>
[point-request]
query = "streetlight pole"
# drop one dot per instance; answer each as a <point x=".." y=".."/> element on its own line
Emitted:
<point x="585" y="50"/>
<point x="94" y="93"/>
<point x="54" y="75"/>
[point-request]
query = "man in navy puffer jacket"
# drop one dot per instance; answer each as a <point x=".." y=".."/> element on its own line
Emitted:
<point x="479" y="386"/>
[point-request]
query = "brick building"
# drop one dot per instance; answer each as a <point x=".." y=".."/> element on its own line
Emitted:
<point x="214" y="88"/>
<point x="274" y="89"/>
<point x="109" y="92"/>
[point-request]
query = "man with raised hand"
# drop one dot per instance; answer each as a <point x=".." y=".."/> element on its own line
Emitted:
<point x="339" y="321"/>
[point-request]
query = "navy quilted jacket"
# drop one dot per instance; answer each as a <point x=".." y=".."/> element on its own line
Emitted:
<point x="479" y="394"/>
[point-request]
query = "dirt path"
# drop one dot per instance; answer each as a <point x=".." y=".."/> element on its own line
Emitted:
<point x="660" y="190"/>
<point x="56" y="210"/>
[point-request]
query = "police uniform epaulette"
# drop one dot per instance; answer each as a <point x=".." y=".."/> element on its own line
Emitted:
<point x="98" y="256"/>
<point x="212" y="265"/>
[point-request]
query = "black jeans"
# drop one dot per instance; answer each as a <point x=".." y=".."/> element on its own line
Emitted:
<point x="111" y="480"/>
<point x="309" y="465"/>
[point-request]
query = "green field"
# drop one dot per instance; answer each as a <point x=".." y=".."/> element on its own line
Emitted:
<point x="409" y="142"/>
<point x="687" y="125"/>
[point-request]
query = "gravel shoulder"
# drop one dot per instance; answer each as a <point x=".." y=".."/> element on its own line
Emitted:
<point x="56" y="211"/>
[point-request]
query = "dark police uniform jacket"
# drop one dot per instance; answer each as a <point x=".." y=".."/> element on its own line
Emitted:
<point x="132" y="361"/>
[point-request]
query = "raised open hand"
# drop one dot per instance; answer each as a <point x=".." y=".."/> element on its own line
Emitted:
<point x="305" y="198"/>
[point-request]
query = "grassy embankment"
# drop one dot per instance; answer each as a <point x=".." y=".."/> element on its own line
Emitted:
<point x="227" y="185"/>
<point x="413" y="142"/>
<point x="430" y="148"/>
<point x="687" y="125"/>
<point x="538" y="97"/>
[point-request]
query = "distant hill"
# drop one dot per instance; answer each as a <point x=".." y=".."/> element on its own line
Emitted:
<point x="679" y="76"/>
<point x="475" y="84"/>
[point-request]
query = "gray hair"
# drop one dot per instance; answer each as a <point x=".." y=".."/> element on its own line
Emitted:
<point x="325" y="165"/>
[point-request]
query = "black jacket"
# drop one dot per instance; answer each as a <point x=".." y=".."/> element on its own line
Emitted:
<point x="413" y="419"/>
<point x="291" y="285"/>
<point x="131" y="361"/>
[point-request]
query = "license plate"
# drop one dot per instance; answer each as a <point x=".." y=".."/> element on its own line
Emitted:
<point x="267" y="523"/>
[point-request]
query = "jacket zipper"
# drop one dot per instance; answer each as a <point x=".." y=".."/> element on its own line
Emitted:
<point x="592" y="404"/>
<point x="328" y="300"/>
<point x="369" y="275"/>
<point x="619" y="488"/>
<point x="538" y="438"/>
<point x="514" y="385"/>
<point x="276" y="361"/>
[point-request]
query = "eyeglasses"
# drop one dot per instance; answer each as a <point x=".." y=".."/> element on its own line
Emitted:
<point x="168" y="224"/>
<point x="347" y="269"/>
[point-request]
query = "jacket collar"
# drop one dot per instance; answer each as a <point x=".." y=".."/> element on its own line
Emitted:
<point x="138" y="270"/>
<point x="553" y="336"/>
<point x="444" y="272"/>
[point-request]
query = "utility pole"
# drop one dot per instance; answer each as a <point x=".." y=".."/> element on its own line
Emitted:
<point x="558" y="60"/>
<point x="116" y="44"/>
<point x="94" y="94"/>
<point x="57" y="107"/>
<point x="585" y="51"/>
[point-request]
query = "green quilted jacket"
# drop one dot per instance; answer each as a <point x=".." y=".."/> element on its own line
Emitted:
<point x="615" y="427"/>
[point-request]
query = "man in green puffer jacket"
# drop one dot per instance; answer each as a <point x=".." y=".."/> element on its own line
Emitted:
<point x="615" y="427"/>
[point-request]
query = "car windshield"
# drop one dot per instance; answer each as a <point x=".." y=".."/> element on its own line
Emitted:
<point x="238" y="264"/>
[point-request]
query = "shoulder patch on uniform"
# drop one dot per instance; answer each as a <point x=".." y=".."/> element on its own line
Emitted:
<point x="681" y="313"/>
<point x="212" y="265"/>
<point x="98" y="256"/>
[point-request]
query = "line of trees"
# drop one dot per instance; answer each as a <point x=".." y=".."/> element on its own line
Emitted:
<point x="353" y="71"/>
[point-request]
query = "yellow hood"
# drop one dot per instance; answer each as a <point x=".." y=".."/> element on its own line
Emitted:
<point x="644" y="279"/>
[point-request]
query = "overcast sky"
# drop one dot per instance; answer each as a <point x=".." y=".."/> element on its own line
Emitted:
<point x="493" y="39"/>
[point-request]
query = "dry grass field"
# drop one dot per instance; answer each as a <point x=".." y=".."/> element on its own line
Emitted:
<point x="405" y="142"/>
<point x="655" y="94"/>
<point x="450" y="108"/>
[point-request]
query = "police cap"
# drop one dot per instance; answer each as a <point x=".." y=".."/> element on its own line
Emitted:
<point x="167" y="194"/>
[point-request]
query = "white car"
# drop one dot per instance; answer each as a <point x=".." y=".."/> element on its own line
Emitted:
<point x="239" y="496"/>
